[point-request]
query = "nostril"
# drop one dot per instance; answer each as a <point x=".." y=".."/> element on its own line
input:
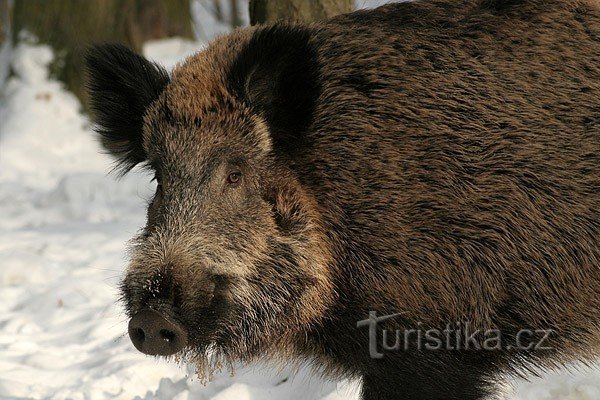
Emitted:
<point x="152" y="333"/>
<point x="167" y="335"/>
<point x="137" y="335"/>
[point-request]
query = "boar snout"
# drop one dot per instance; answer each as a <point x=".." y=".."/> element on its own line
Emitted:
<point x="153" y="333"/>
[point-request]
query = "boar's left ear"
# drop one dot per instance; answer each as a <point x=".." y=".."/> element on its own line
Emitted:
<point x="121" y="85"/>
<point x="276" y="73"/>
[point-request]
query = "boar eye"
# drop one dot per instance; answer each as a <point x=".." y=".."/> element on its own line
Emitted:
<point x="234" y="178"/>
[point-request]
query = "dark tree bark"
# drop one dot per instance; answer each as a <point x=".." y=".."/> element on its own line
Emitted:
<point x="4" y="22"/>
<point x="235" y="14"/>
<point x="262" y="11"/>
<point x="70" y="26"/>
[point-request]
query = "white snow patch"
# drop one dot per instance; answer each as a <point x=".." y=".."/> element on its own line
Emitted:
<point x="168" y="52"/>
<point x="206" y="24"/>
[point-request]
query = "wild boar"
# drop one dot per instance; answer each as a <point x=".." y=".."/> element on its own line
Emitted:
<point x="430" y="167"/>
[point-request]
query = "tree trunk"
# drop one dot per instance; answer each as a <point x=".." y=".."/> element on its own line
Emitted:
<point x="262" y="11"/>
<point x="235" y="14"/>
<point x="70" y="26"/>
<point x="4" y="24"/>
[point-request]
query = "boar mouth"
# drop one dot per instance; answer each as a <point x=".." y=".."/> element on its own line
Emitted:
<point x="170" y="326"/>
<point x="211" y="322"/>
<point x="157" y="333"/>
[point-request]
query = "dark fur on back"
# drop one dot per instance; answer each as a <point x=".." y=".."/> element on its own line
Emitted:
<point x="436" y="158"/>
<point x="478" y="151"/>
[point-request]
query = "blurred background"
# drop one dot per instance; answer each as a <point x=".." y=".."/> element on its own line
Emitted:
<point x="69" y="26"/>
<point x="65" y="220"/>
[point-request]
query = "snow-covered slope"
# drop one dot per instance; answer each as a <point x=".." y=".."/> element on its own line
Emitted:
<point x="64" y="224"/>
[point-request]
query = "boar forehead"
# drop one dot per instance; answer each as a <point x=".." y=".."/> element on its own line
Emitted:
<point x="174" y="139"/>
<point x="197" y="113"/>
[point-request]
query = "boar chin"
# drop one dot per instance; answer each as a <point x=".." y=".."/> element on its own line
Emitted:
<point x="212" y="357"/>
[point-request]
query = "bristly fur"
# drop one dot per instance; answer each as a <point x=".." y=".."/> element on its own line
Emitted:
<point x="439" y="159"/>
<point x="122" y="84"/>
<point x="500" y="5"/>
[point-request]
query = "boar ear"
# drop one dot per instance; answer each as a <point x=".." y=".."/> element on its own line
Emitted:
<point x="277" y="75"/>
<point x="121" y="86"/>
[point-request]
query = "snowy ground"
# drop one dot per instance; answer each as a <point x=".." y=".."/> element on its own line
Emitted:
<point x="64" y="224"/>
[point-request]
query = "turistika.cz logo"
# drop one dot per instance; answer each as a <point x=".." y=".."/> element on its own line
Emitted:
<point x="454" y="336"/>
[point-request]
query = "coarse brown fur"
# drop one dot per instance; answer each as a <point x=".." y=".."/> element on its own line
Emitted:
<point x="439" y="159"/>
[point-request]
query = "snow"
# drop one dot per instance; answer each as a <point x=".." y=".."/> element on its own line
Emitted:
<point x="205" y="23"/>
<point x="63" y="230"/>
